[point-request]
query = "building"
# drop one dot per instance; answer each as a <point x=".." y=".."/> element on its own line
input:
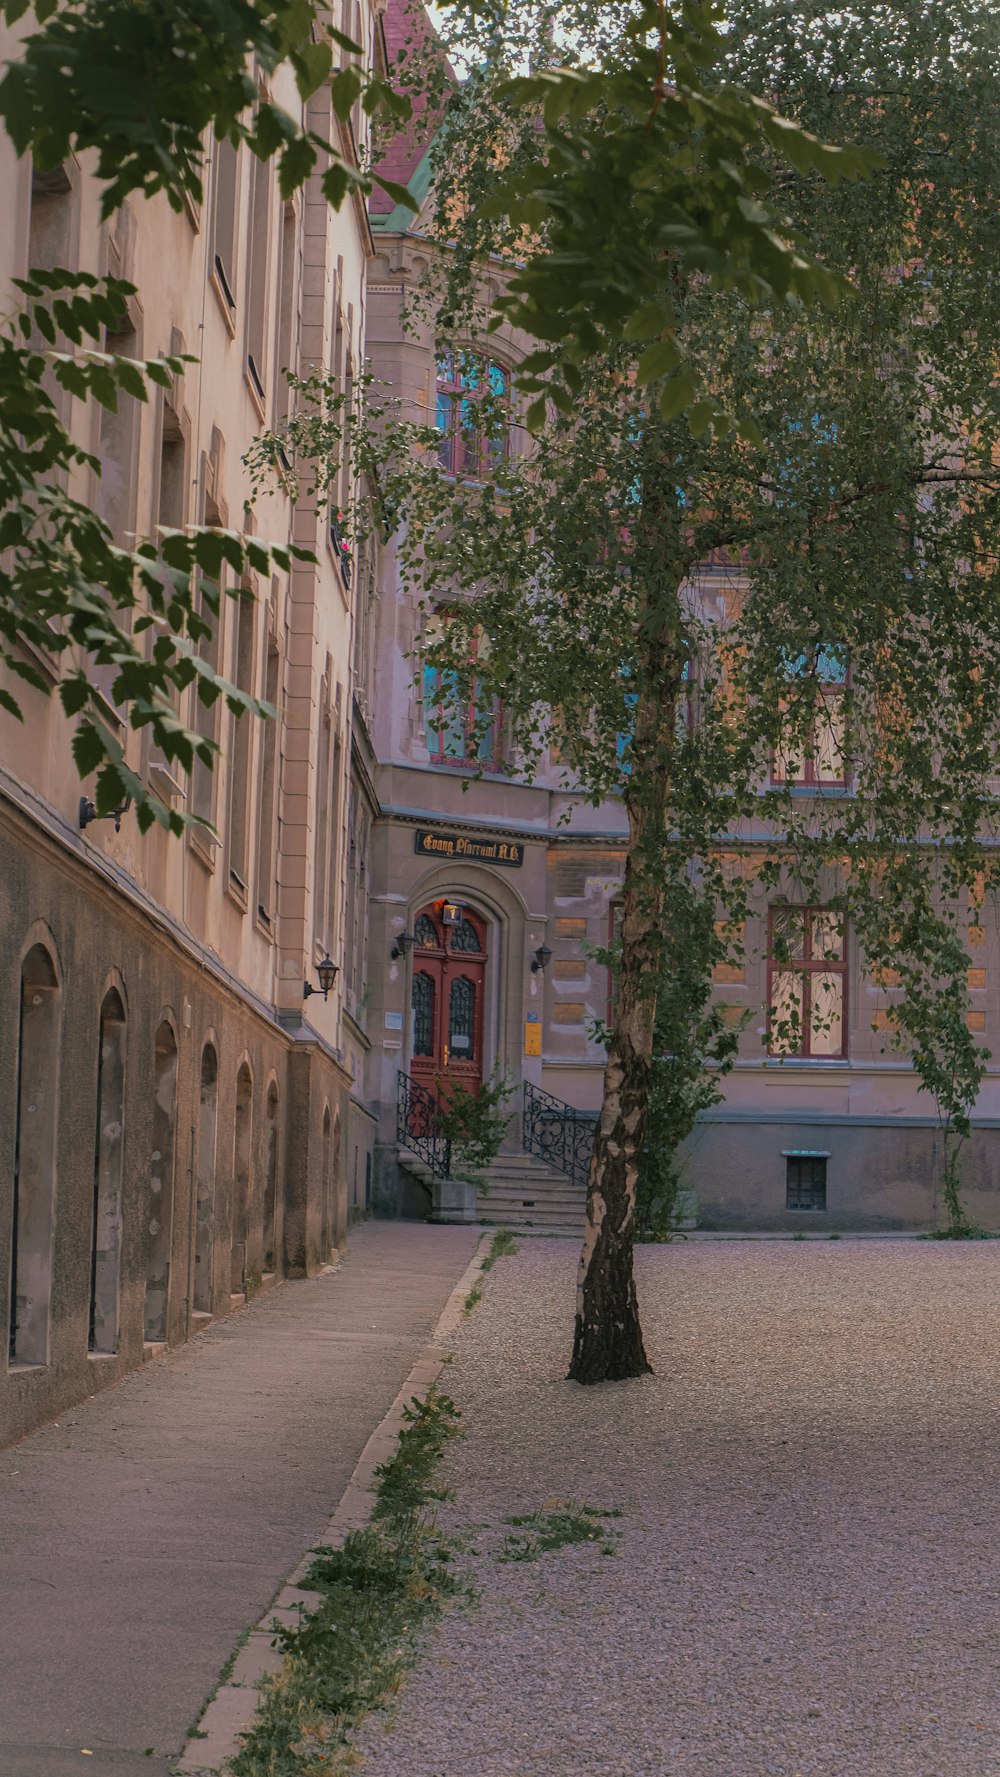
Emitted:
<point x="830" y="1133"/>
<point x="179" y="1124"/>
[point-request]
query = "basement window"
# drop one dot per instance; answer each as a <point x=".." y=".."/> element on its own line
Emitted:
<point x="805" y="1178"/>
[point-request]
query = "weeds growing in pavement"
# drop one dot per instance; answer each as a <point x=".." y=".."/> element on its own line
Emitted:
<point x="473" y="1298"/>
<point x="381" y="1589"/>
<point x="555" y="1526"/>
<point x="502" y="1246"/>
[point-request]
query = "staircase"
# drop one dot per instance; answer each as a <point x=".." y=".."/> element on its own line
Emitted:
<point x="528" y="1197"/>
<point x="542" y="1190"/>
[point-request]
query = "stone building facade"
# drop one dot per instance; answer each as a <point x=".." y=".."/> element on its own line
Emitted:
<point x="835" y="1135"/>
<point x="179" y="1125"/>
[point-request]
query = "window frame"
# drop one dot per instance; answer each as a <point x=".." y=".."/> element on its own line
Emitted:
<point x="437" y="723"/>
<point x="463" y="454"/>
<point x="807" y="967"/>
<point x="831" y="692"/>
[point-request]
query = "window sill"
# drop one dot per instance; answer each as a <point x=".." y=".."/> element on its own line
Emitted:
<point x="228" y="314"/>
<point x="469" y="767"/>
<point x="236" y="891"/>
<point x="264" y="923"/>
<point x="255" y="394"/>
<point x="203" y="846"/>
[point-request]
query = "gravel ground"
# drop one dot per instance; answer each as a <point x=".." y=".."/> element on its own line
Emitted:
<point x="807" y="1581"/>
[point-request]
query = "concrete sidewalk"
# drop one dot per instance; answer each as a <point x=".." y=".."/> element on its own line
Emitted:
<point x="145" y="1531"/>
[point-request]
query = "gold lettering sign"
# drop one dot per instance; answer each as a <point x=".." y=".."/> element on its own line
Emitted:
<point x="428" y="844"/>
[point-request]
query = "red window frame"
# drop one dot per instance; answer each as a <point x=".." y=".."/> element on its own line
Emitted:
<point x="462" y="380"/>
<point x="808" y="966"/>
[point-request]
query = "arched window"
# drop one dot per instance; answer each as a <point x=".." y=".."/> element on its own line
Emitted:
<point x="159" y="1209"/>
<point x="33" y="1214"/>
<point x="242" y="1134"/>
<point x="472" y="415"/>
<point x="105" y="1257"/>
<point x="271" y="1179"/>
<point x="425" y="933"/>
<point x="205" y="1180"/>
<point x="465" y="937"/>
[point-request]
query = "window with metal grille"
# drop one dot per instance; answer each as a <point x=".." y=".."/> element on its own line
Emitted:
<point x="805" y="1181"/>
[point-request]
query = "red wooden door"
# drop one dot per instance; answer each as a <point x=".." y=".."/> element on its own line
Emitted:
<point x="448" y="983"/>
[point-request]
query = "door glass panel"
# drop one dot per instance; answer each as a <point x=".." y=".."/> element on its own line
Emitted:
<point x="425" y="933"/>
<point x="461" y="1019"/>
<point x="423" y="1014"/>
<point x="465" y="937"/>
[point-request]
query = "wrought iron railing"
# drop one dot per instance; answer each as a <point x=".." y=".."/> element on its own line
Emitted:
<point x="558" y="1133"/>
<point x="418" y="1125"/>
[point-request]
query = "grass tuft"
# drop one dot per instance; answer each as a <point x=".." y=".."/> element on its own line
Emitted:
<point x="381" y="1589"/>
<point x="554" y="1526"/>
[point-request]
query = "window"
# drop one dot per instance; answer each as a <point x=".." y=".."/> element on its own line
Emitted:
<point x="287" y="313"/>
<point x="268" y="790"/>
<point x="807" y="983"/>
<point x="257" y="280"/>
<point x="473" y="414"/>
<point x="465" y="731"/>
<point x="205" y="716"/>
<point x="813" y="752"/>
<point x="805" y="1179"/>
<point x="239" y="749"/>
<point x="224" y="192"/>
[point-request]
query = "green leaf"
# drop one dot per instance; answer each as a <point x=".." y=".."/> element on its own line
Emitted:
<point x="657" y="361"/>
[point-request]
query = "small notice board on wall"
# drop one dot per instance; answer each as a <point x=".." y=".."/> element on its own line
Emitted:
<point x="532" y="1036"/>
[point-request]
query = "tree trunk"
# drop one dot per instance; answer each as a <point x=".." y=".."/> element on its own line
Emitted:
<point x="607" y="1342"/>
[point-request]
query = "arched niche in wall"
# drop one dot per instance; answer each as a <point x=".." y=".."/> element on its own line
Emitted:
<point x="106" y="1246"/>
<point x="270" y="1177"/>
<point x="34" y="1198"/>
<point x="208" y="1117"/>
<point x="160" y="1202"/>
<point x="326" y="1185"/>
<point x="242" y="1138"/>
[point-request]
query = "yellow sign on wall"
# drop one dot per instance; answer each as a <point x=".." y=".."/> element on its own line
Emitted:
<point x="532" y="1039"/>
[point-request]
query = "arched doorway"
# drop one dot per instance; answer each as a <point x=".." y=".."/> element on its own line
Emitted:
<point x="446" y="995"/>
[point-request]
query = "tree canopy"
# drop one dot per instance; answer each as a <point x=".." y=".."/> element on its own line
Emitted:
<point x="775" y="645"/>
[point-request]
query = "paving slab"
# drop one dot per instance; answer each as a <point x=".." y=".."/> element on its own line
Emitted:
<point x="148" y="1528"/>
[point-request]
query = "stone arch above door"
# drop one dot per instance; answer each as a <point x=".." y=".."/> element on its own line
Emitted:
<point x="495" y="899"/>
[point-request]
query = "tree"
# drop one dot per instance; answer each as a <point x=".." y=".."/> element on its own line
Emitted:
<point x="823" y="586"/>
<point x="138" y="87"/>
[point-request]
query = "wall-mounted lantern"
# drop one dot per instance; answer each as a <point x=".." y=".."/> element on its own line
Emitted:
<point x="327" y="971"/>
<point x="402" y="944"/>
<point x="88" y="813"/>
<point x="541" y="959"/>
